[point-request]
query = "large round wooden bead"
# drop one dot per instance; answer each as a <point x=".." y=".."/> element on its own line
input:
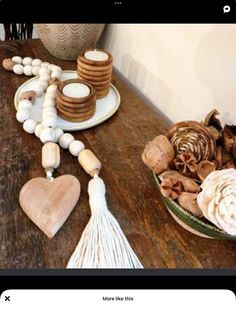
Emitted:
<point x="27" y="61"/>
<point x="43" y="83"/>
<point x="49" y="122"/>
<point x="36" y="62"/>
<point x="47" y="135"/>
<point x="28" y="70"/>
<point x="39" y="90"/>
<point x="52" y="88"/>
<point x="44" y="77"/>
<point x="65" y="140"/>
<point x="8" y="64"/>
<point x="24" y="104"/>
<point x="38" y="129"/>
<point x="35" y="70"/>
<point x="18" y="69"/>
<point x="29" y="126"/>
<point x="76" y="147"/>
<point x="89" y="162"/>
<point x="58" y="133"/>
<point x="23" y="115"/>
<point x="49" y="103"/>
<point x="17" y="59"/>
<point x="43" y="71"/>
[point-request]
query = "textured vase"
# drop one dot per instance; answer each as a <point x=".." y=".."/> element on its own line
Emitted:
<point x="67" y="41"/>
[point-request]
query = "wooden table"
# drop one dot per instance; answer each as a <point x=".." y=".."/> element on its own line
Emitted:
<point x="131" y="193"/>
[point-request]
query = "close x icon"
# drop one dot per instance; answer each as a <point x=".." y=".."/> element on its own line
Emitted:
<point x="7" y="298"/>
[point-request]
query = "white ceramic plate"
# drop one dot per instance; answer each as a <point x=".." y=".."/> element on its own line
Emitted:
<point x="105" y="107"/>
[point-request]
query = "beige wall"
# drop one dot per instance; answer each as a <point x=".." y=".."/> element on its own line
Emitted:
<point x="185" y="70"/>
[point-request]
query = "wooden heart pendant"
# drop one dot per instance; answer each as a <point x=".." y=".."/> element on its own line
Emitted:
<point x="49" y="203"/>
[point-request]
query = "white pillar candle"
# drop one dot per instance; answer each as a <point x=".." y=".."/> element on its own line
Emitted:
<point x="96" y="55"/>
<point x="76" y="90"/>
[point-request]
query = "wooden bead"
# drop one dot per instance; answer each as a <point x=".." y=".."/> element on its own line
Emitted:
<point x="49" y="122"/>
<point x="22" y="115"/>
<point x="8" y="64"/>
<point x="17" y="59"/>
<point x="24" y="104"/>
<point x="43" y="71"/>
<point x="36" y="62"/>
<point x="58" y="133"/>
<point x="49" y="103"/>
<point x="45" y="64"/>
<point x="76" y="147"/>
<point x="38" y="129"/>
<point x="50" y="156"/>
<point x="27" y="61"/>
<point x="18" y="69"/>
<point x="89" y="162"/>
<point x="29" y="126"/>
<point x="65" y="140"/>
<point x="28" y="70"/>
<point x="56" y="74"/>
<point x="52" y="88"/>
<point x="44" y="77"/>
<point x="47" y="135"/>
<point x="35" y="70"/>
<point x="43" y="83"/>
<point x="39" y="90"/>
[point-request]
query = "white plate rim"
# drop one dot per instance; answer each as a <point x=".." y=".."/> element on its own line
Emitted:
<point x="77" y="127"/>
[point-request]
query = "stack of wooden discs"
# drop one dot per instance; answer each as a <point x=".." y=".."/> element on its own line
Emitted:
<point x="75" y="100"/>
<point x="95" y="66"/>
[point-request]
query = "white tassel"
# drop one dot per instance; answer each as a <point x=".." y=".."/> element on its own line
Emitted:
<point x="102" y="244"/>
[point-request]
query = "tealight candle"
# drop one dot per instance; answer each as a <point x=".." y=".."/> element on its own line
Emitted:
<point x="76" y="90"/>
<point x="96" y="55"/>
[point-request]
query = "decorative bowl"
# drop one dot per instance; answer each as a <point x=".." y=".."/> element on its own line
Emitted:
<point x="195" y="225"/>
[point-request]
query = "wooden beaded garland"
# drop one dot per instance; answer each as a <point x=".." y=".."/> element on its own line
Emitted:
<point x="103" y="244"/>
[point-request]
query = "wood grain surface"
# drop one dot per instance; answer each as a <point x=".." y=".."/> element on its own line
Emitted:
<point x="131" y="193"/>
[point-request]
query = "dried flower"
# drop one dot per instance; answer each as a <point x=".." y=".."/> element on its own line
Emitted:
<point x="228" y="165"/>
<point x="186" y="163"/>
<point x="192" y="137"/>
<point x="171" y="188"/>
<point x="158" y="154"/>
<point x="217" y="200"/>
<point x="211" y="120"/>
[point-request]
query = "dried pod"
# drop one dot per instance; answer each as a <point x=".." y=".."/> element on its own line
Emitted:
<point x="214" y="132"/>
<point x="229" y="134"/>
<point x="218" y="160"/>
<point x="211" y="120"/>
<point x="171" y="188"/>
<point x="158" y="154"/>
<point x="189" y="202"/>
<point x="29" y="95"/>
<point x="186" y="163"/>
<point x="228" y="165"/>
<point x="189" y="184"/>
<point x="8" y="64"/>
<point x="193" y="137"/>
<point x="204" y="168"/>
